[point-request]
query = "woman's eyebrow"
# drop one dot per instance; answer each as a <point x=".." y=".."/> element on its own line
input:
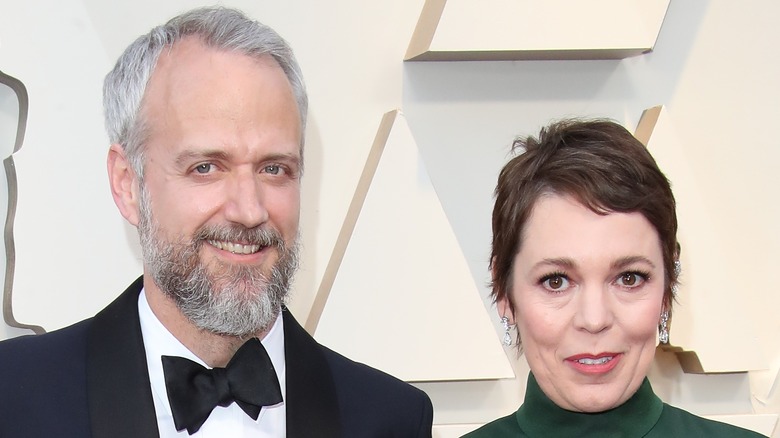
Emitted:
<point x="561" y="262"/>
<point x="630" y="260"/>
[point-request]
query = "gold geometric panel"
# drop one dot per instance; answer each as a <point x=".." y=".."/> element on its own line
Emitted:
<point x="468" y="30"/>
<point x="398" y="294"/>
<point x="13" y="123"/>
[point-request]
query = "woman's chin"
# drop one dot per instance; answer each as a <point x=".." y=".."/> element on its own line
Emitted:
<point x="595" y="406"/>
<point x="589" y="398"/>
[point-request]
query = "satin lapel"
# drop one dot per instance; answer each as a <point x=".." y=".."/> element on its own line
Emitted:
<point x="312" y="402"/>
<point x="118" y="388"/>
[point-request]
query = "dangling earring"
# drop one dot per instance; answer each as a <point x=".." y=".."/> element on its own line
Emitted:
<point x="677" y="272"/>
<point x="663" y="328"/>
<point x="507" y="341"/>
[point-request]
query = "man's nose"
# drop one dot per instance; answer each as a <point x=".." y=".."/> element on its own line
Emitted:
<point x="245" y="200"/>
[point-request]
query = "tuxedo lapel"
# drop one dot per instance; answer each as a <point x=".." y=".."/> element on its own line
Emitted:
<point x="120" y="395"/>
<point x="118" y="388"/>
<point x="312" y="403"/>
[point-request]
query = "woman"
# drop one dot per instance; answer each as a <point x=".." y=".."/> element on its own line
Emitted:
<point x="584" y="263"/>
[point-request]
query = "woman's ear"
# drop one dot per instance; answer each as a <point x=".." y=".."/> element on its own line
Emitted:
<point x="124" y="183"/>
<point x="503" y="305"/>
<point x="505" y="309"/>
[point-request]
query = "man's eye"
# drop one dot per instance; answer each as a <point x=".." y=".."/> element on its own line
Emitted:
<point x="273" y="169"/>
<point x="204" y="168"/>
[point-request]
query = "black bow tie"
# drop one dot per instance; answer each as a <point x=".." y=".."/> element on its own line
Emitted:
<point x="194" y="391"/>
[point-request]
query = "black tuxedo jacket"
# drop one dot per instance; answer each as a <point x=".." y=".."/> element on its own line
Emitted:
<point x="90" y="380"/>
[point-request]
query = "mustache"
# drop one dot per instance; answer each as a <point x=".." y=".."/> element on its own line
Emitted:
<point x="263" y="236"/>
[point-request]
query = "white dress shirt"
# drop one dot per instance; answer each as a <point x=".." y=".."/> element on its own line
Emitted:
<point x="228" y="421"/>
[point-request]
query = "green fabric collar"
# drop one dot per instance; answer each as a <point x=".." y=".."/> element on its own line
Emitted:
<point x="538" y="416"/>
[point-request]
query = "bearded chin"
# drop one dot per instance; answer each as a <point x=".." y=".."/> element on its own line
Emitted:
<point x="229" y="300"/>
<point x="225" y="299"/>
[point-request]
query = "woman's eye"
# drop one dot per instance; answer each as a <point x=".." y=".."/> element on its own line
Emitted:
<point x="630" y="279"/>
<point x="203" y="168"/>
<point x="556" y="283"/>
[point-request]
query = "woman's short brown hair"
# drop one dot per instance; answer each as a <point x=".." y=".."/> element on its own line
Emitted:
<point x="598" y="163"/>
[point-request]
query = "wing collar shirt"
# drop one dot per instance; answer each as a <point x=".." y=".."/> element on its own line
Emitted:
<point x="224" y="421"/>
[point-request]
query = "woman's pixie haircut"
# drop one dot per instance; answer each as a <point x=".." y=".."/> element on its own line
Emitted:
<point x="598" y="163"/>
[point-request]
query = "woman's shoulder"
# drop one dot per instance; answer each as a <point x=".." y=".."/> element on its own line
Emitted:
<point x="503" y="427"/>
<point x="675" y="420"/>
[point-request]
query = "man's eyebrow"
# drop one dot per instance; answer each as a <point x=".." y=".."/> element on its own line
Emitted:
<point x="188" y="156"/>
<point x="293" y="158"/>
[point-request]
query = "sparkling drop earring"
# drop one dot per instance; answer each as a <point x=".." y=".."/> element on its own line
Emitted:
<point x="507" y="341"/>
<point x="663" y="328"/>
<point x="677" y="272"/>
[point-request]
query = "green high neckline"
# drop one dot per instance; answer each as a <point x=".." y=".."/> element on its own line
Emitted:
<point x="538" y="416"/>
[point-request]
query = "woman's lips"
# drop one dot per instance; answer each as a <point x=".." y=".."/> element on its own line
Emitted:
<point x="600" y="363"/>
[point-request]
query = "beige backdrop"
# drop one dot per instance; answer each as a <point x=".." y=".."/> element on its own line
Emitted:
<point x="715" y="68"/>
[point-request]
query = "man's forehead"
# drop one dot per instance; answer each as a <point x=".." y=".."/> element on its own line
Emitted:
<point x="193" y="51"/>
<point x="190" y="72"/>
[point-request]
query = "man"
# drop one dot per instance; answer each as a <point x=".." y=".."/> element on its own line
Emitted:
<point x="206" y="116"/>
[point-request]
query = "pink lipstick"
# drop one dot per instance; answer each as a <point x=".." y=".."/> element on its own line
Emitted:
<point x="599" y="363"/>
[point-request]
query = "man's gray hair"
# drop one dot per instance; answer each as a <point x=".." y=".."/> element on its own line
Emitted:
<point x="217" y="27"/>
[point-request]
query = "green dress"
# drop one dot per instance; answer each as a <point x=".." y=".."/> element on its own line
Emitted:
<point x="643" y="415"/>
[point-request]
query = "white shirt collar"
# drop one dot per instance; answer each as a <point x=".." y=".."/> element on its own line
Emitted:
<point x="158" y="341"/>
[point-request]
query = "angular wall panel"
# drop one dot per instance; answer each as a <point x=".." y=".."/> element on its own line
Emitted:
<point x="711" y="330"/>
<point x="397" y="261"/>
<point x="74" y="252"/>
<point x="761" y="423"/>
<point x="465" y="30"/>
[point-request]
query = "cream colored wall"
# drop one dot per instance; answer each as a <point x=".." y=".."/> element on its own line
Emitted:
<point x="714" y="67"/>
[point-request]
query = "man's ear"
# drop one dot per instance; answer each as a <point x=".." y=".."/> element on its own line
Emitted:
<point x="124" y="184"/>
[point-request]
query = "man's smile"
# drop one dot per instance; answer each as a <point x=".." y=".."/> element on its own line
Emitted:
<point x="235" y="248"/>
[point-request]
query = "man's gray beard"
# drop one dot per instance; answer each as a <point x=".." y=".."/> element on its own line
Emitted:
<point x="230" y="299"/>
